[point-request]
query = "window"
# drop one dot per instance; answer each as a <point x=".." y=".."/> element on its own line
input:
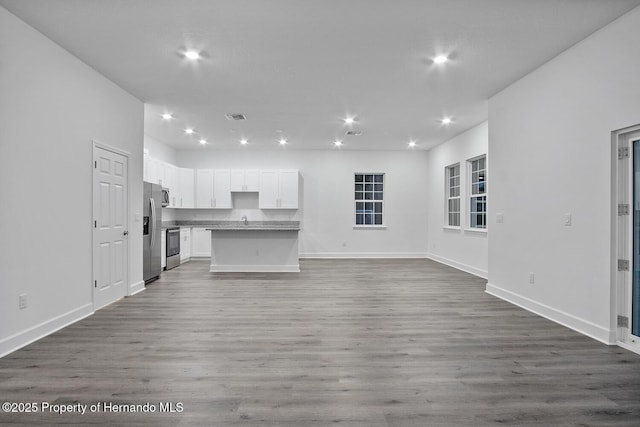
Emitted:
<point x="452" y="179"/>
<point x="369" y="200"/>
<point x="478" y="195"/>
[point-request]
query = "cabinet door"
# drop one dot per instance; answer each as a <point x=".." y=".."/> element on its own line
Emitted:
<point x="185" y="243"/>
<point x="237" y="180"/>
<point x="186" y="188"/>
<point x="171" y="176"/>
<point x="145" y="166"/>
<point x="268" y="196"/>
<point x="204" y="188"/>
<point x="222" y="189"/>
<point x="201" y="242"/>
<point x="288" y="189"/>
<point x="163" y="248"/>
<point x="152" y="170"/>
<point x="252" y="180"/>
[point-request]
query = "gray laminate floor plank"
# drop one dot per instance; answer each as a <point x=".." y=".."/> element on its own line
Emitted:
<point x="389" y="343"/>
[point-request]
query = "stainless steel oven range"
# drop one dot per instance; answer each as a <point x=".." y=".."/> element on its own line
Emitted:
<point x="173" y="247"/>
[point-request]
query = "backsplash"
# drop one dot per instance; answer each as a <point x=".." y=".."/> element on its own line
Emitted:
<point x="244" y="204"/>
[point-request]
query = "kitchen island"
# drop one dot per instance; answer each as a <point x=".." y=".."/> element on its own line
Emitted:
<point x="255" y="246"/>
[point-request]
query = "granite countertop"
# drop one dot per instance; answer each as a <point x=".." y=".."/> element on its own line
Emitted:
<point x="236" y="225"/>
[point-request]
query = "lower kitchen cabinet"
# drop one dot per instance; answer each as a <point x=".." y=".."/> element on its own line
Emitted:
<point x="163" y="248"/>
<point x="185" y="244"/>
<point x="201" y="243"/>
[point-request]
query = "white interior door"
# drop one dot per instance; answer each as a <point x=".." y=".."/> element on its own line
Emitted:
<point x="110" y="248"/>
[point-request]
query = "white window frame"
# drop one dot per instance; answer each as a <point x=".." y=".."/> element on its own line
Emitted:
<point x="471" y="195"/>
<point x="447" y="196"/>
<point x="381" y="202"/>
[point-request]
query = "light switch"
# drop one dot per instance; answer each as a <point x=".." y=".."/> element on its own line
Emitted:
<point x="499" y="218"/>
<point x="567" y="219"/>
<point x="137" y="217"/>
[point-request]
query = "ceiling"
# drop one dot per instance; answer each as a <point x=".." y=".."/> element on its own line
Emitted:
<point x="297" y="68"/>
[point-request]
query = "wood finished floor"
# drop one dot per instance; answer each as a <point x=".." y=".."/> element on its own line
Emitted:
<point x="366" y="343"/>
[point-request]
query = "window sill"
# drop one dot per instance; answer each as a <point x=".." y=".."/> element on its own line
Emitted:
<point x="476" y="230"/>
<point x="369" y="227"/>
<point x="452" y="228"/>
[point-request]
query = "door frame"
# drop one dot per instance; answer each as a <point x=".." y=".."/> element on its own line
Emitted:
<point x="621" y="238"/>
<point x="95" y="145"/>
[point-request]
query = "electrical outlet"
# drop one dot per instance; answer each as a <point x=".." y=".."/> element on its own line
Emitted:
<point x="23" y="301"/>
<point x="532" y="278"/>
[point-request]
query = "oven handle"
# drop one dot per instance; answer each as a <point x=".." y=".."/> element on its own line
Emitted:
<point x="153" y="222"/>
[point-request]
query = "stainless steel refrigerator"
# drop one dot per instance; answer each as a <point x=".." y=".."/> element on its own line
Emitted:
<point x="152" y="227"/>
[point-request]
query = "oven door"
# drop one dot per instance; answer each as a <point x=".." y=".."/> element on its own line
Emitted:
<point x="173" y="242"/>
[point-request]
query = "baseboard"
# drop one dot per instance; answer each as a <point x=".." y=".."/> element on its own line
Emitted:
<point x="254" y="269"/>
<point x="583" y="326"/>
<point x="631" y="348"/>
<point x="26" y="337"/>
<point x="354" y="255"/>
<point x="135" y="288"/>
<point x="460" y="266"/>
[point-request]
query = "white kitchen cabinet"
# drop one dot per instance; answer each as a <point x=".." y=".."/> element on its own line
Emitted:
<point x="186" y="190"/>
<point x="213" y="189"/>
<point x="163" y="248"/>
<point x="245" y="180"/>
<point x="185" y="244"/>
<point x="200" y="243"/>
<point x="278" y="189"/>
<point x="145" y="166"/>
<point x="153" y="170"/>
<point x="222" y="189"/>
<point x="204" y="188"/>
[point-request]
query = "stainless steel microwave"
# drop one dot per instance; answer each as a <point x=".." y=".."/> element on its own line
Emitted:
<point x="165" y="197"/>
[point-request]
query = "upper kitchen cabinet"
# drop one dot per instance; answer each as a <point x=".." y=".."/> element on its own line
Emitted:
<point x="213" y="189"/>
<point x="278" y="189"/>
<point x="222" y="189"/>
<point x="245" y="180"/>
<point x="204" y="188"/>
<point x="185" y="185"/>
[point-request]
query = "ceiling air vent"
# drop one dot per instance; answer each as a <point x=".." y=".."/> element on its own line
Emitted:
<point x="236" y="116"/>
<point x="354" y="132"/>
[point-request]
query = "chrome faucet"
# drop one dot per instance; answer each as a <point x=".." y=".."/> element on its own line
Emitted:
<point x="244" y="220"/>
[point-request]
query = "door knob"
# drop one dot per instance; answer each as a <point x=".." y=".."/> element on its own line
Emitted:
<point x="125" y="233"/>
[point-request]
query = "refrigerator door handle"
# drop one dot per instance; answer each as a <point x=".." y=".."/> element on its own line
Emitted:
<point x="152" y="221"/>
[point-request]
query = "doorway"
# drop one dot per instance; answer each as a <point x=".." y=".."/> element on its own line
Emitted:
<point x="627" y="260"/>
<point x="110" y="231"/>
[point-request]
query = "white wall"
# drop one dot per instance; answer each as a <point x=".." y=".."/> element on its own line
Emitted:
<point x="326" y="203"/>
<point x="460" y="247"/>
<point x="549" y="145"/>
<point x="51" y="108"/>
<point x="159" y="150"/>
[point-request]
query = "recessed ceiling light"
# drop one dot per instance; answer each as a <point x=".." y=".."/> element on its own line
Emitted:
<point x="446" y="120"/>
<point x="412" y="143"/>
<point x="167" y="116"/>
<point x="349" y="120"/>
<point x="337" y="143"/>
<point x="243" y="141"/>
<point x="192" y="54"/>
<point x="203" y="141"/>
<point x="283" y="141"/>
<point x="440" y="59"/>
<point x="188" y="131"/>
